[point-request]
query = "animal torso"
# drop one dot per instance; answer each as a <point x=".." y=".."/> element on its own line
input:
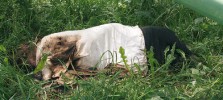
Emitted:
<point x="95" y="47"/>
<point x="98" y="46"/>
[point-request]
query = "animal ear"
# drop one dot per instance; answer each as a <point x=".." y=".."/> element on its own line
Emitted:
<point x="67" y="49"/>
<point x="71" y="49"/>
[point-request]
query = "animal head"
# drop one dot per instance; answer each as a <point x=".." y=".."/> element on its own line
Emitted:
<point x="61" y="49"/>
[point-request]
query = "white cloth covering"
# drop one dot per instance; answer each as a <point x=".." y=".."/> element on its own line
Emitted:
<point x="110" y="37"/>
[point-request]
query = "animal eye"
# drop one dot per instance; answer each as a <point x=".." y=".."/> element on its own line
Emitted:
<point x="70" y="50"/>
<point x="55" y="61"/>
<point x="58" y="61"/>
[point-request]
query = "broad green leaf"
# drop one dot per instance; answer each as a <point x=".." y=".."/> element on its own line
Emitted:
<point x="210" y="8"/>
<point x="41" y="64"/>
<point x="195" y="71"/>
<point x="6" y="60"/>
<point x="181" y="53"/>
<point x="2" y="48"/>
<point x="122" y="52"/>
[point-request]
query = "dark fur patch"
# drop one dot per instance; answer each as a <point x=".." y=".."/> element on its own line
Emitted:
<point x="160" y="38"/>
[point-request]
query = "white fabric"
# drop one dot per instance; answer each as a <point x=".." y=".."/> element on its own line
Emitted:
<point x="110" y="37"/>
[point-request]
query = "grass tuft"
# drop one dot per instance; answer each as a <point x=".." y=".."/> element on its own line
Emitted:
<point x="26" y="20"/>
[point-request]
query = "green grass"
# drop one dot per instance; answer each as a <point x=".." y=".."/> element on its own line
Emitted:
<point x="22" y="21"/>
